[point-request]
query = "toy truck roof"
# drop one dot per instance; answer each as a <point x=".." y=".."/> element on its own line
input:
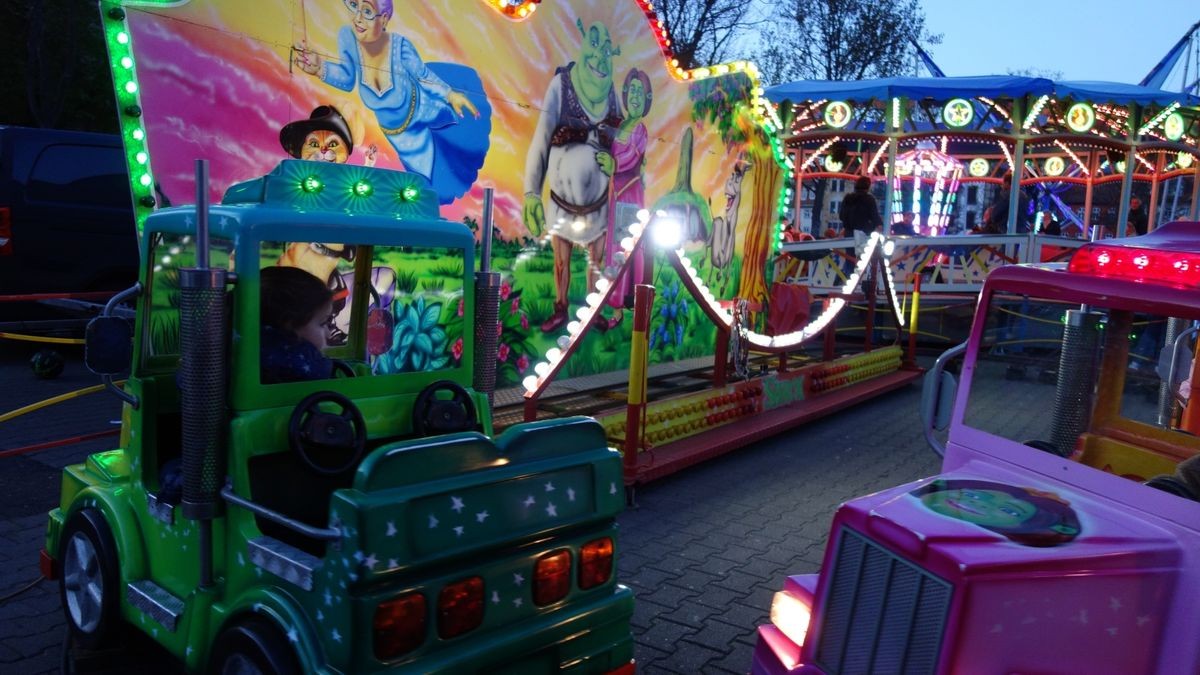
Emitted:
<point x="321" y="201"/>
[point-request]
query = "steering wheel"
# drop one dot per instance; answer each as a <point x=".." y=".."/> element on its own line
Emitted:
<point x="433" y="415"/>
<point x="340" y="366"/>
<point x="329" y="443"/>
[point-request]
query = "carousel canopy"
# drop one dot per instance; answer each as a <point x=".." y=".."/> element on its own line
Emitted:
<point x="991" y="86"/>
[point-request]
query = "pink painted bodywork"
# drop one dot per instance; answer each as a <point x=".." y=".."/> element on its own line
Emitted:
<point x="1120" y="598"/>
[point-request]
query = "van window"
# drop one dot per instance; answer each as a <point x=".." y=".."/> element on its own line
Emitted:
<point x="80" y="174"/>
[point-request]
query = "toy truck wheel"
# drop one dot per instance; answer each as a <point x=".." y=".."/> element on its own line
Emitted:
<point x="88" y="585"/>
<point x="253" y="646"/>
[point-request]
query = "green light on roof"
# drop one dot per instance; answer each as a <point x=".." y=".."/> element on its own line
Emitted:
<point x="126" y="62"/>
<point x="312" y="185"/>
<point x="363" y="189"/>
<point x="123" y="38"/>
<point x="409" y="194"/>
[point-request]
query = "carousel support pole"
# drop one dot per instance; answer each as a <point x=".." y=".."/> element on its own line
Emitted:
<point x="643" y="300"/>
<point x="1152" y="207"/>
<point x="1135" y="121"/>
<point x="1018" y="169"/>
<point x="1195" y="212"/>
<point x="912" y="320"/>
<point x="1093" y="165"/>
<point x="721" y="359"/>
<point x="828" y="348"/>
<point x="894" y="126"/>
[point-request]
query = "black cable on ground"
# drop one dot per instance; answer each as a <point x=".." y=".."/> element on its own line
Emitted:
<point x="21" y="590"/>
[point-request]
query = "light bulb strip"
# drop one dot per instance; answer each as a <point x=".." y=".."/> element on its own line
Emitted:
<point x="878" y="154"/>
<point x="1159" y="118"/>
<point x="821" y="150"/>
<point x="127" y="92"/>
<point x="1035" y="111"/>
<point x="780" y="343"/>
<point x="554" y="358"/>
<point x="1073" y="156"/>
<point x="1007" y="155"/>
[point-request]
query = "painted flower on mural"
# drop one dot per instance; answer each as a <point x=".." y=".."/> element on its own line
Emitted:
<point x="461" y="306"/>
<point x="457" y="350"/>
<point x="516" y="350"/>
<point x="419" y="342"/>
<point x="670" y="321"/>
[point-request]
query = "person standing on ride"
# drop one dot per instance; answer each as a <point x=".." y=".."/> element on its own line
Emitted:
<point x="859" y="213"/>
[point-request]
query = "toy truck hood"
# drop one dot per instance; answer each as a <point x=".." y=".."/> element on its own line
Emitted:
<point x="418" y="503"/>
<point x="1109" y="538"/>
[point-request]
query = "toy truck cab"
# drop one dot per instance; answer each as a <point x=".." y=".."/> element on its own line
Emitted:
<point x="360" y="521"/>
<point x="1044" y="545"/>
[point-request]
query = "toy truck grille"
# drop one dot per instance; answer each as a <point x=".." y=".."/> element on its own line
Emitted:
<point x="881" y="614"/>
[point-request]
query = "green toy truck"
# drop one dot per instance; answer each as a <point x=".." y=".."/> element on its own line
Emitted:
<point x="362" y="522"/>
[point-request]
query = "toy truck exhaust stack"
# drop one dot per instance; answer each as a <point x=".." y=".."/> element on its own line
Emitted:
<point x="1063" y="534"/>
<point x="356" y="516"/>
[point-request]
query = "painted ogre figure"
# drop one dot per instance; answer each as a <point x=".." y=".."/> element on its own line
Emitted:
<point x="572" y="146"/>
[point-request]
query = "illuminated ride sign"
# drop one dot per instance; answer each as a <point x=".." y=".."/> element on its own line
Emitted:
<point x="837" y="114"/>
<point x="958" y="113"/>
<point x="1081" y="117"/>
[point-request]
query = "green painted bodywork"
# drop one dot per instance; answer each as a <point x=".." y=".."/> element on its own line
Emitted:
<point x="418" y="514"/>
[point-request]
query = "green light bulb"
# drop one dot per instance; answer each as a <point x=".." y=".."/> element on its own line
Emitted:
<point x="123" y="38"/>
<point x="363" y="189"/>
<point x="126" y="62"/>
<point x="138" y="134"/>
<point x="409" y="193"/>
<point x="131" y="86"/>
<point x="312" y="185"/>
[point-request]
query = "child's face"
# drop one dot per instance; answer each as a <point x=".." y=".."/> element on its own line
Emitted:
<point x="316" y="331"/>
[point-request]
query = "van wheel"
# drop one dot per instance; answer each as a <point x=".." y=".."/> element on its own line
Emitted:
<point x="88" y="586"/>
<point x="253" y="646"/>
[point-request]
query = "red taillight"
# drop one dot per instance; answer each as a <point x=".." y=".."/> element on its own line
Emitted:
<point x="460" y="607"/>
<point x="1173" y="268"/>
<point x="595" y="563"/>
<point x="552" y="577"/>
<point x="6" y="245"/>
<point x="399" y="626"/>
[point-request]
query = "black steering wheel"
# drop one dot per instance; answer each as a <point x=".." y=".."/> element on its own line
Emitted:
<point x="329" y="443"/>
<point x="433" y="415"/>
<point x="340" y="366"/>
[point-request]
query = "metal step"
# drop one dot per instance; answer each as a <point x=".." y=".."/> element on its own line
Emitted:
<point x="155" y="601"/>
<point x="284" y="561"/>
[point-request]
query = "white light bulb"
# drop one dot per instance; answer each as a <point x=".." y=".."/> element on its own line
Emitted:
<point x="581" y="313"/>
<point x="553" y="354"/>
<point x="564" y="341"/>
<point x="593" y="299"/>
<point x="530" y="383"/>
<point x="627" y="243"/>
<point x="541" y="368"/>
<point x="573" y="327"/>
<point x="602" y="284"/>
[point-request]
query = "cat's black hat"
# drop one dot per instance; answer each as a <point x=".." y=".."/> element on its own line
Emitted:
<point x="325" y="117"/>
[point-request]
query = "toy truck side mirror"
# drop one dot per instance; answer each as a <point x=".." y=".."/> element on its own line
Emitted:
<point x="937" y="397"/>
<point x="108" y="345"/>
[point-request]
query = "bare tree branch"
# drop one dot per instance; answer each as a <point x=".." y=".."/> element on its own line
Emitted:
<point x="704" y="32"/>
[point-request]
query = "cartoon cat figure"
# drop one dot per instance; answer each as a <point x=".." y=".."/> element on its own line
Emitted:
<point x="323" y="137"/>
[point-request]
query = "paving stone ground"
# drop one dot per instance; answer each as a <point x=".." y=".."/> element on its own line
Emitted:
<point x="703" y="550"/>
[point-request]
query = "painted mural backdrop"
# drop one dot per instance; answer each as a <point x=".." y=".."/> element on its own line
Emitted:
<point x="570" y="115"/>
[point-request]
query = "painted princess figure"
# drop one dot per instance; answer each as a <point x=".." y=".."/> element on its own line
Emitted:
<point x="628" y="186"/>
<point x="420" y="108"/>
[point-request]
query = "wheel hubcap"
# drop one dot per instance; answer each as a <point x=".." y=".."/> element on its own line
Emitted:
<point x="83" y="583"/>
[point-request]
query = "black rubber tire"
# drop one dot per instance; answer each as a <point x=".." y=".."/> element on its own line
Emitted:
<point x="88" y="525"/>
<point x="253" y="641"/>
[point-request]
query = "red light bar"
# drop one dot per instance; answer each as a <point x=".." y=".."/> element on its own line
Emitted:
<point x="1171" y="268"/>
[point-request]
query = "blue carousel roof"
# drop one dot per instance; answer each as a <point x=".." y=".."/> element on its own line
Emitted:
<point x="991" y="86"/>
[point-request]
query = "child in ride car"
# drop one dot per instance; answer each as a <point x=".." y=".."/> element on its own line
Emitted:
<point x="295" y="308"/>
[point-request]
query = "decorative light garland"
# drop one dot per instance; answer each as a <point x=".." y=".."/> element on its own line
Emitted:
<point x="878" y="154"/>
<point x="1035" y="111"/>
<point x="1007" y="155"/>
<point x="813" y="157"/>
<point x="1158" y="119"/>
<point x="1073" y="156"/>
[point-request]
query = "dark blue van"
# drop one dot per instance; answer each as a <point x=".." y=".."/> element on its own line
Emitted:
<point x="66" y="217"/>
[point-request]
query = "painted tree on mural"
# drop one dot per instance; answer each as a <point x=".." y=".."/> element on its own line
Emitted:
<point x="840" y="40"/>
<point x="722" y="102"/>
<point x="704" y="32"/>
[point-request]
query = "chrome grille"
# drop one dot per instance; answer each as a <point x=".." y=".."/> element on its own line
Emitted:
<point x="881" y="614"/>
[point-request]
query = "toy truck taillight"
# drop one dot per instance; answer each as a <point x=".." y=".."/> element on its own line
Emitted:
<point x="399" y="626"/>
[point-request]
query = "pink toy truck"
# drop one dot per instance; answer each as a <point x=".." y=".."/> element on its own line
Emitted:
<point x="1063" y="534"/>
